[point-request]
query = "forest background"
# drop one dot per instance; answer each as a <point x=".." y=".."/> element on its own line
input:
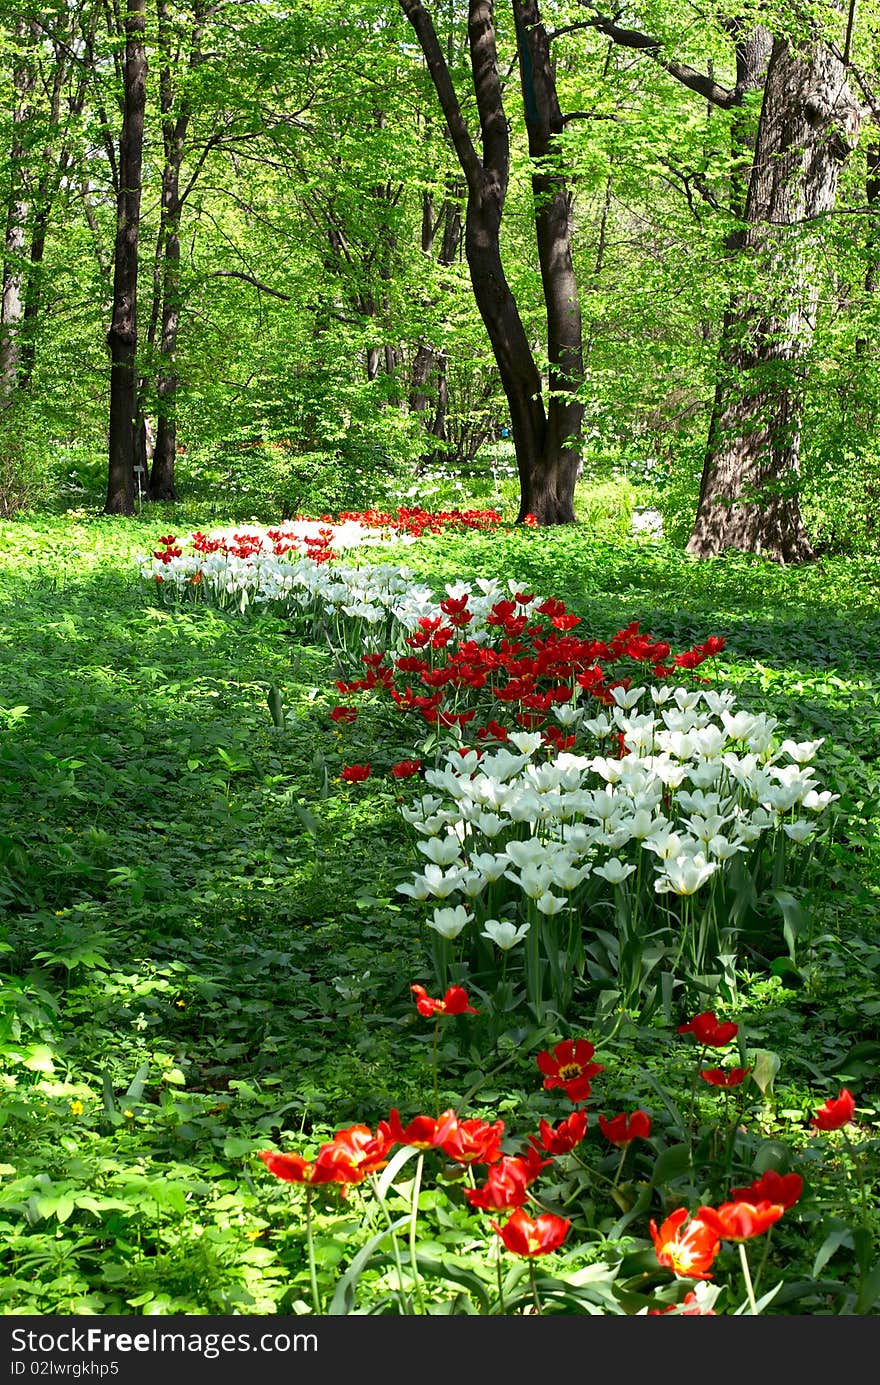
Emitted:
<point x="324" y="246"/>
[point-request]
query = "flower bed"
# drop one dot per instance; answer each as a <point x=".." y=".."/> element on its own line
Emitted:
<point x="593" y="819"/>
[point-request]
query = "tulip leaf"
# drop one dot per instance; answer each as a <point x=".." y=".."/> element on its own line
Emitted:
<point x="394" y="1165"/>
<point x="792" y="918"/>
<point x="276" y="707"/>
<point x="765" y="1066"/>
<point x="343" y="1299"/>
<point x="760" y="1304"/>
<point x="438" y="1269"/>
<point x="136" y="1090"/>
<point x="671" y="1163"/>
<point x="839" y="1235"/>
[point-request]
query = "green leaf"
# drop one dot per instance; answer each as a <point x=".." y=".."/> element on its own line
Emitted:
<point x="343" y="1299"/>
<point x="839" y="1235"/>
<point x="792" y="918"/>
<point x="136" y="1089"/>
<point x="765" y="1066"/>
<point x="671" y="1163"/>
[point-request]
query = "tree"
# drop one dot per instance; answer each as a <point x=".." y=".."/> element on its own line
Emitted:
<point x="809" y="123"/>
<point x="122" y="337"/>
<point x="545" y="419"/>
<point x="175" y="112"/>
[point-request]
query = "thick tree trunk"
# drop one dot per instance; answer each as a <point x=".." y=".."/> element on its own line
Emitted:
<point x="749" y="492"/>
<point x="545" y="440"/>
<point x="122" y="335"/>
<point x="162" y="480"/>
<point x="548" y="492"/>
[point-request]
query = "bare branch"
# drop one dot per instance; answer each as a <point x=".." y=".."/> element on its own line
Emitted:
<point x="248" y="279"/>
<point x="699" y="82"/>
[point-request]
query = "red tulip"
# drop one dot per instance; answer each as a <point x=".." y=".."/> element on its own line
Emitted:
<point x="725" y="1077"/>
<point x="837" y="1112"/>
<point x="782" y="1188"/>
<point x="621" y="1130"/>
<point x="454" y="1002"/>
<point x="355" y="774"/>
<point x="569" y="1067"/>
<point x="707" y="1030"/>
<point x="423" y="1132"/>
<point x="526" y="1236"/>
<point x="563" y="1138"/>
<point x="405" y="769"/>
<point x="740" y="1221"/>
<point x="474" y="1142"/>
<point x="686" y="1250"/>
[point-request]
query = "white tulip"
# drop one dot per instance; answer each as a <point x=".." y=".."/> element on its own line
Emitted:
<point x="505" y="935"/>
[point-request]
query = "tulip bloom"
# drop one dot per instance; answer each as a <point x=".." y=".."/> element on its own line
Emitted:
<point x="784" y="1189"/>
<point x="454" y="1002"/>
<point x="525" y="1236"/>
<point x="621" y="1130"/>
<point x="507" y="1184"/>
<point x="355" y="774"/>
<point x="837" y="1112"/>
<point x="474" y="1142"/>
<point x="740" y="1221"/>
<point x="405" y="769"/>
<point x="423" y="1132"/>
<point x="564" y="1137"/>
<point x="569" y="1067"/>
<point x="292" y="1168"/>
<point x="686" y="1250"/>
<point x="346" y="714"/>
<point x="707" y="1030"/>
<point x="725" y="1077"/>
<point x="352" y="1154"/>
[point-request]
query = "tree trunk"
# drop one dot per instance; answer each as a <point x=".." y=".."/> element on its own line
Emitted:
<point x="749" y="491"/>
<point x="18" y="209"/>
<point x="122" y="335"/>
<point x="545" y="440"/>
<point x="429" y="384"/>
<point x="549" y="490"/>
<point x="162" y="481"/>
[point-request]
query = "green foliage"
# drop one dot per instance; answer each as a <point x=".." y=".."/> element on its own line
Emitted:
<point x="207" y="956"/>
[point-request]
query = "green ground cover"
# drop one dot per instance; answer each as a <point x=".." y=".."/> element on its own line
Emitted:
<point x="205" y="954"/>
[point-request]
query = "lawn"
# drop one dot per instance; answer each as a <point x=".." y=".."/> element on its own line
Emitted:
<point x="206" y="956"/>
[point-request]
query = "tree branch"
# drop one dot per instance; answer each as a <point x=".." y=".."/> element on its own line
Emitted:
<point x="248" y="279"/>
<point x="688" y="76"/>
<point x="437" y="67"/>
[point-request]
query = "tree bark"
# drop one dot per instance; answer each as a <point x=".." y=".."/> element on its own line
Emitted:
<point x="428" y="390"/>
<point x="18" y="211"/>
<point x="162" y="485"/>
<point x="545" y="439"/>
<point x="548" y="492"/>
<point x="749" y="491"/>
<point x="122" y="335"/>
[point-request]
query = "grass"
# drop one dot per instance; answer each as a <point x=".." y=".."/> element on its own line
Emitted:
<point x="205" y="954"/>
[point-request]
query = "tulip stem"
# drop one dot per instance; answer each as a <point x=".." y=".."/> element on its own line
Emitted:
<point x="764" y="1257"/>
<point x="434" y="1066"/>
<point x="414" y="1216"/>
<point x="534" y="1283"/>
<point x="744" y="1261"/>
<point x="620" y="1166"/>
<point x="310" y="1243"/>
<point x="501" y="1305"/>
<point x="406" y="1307"/>
<point x="859" y="1167"/>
